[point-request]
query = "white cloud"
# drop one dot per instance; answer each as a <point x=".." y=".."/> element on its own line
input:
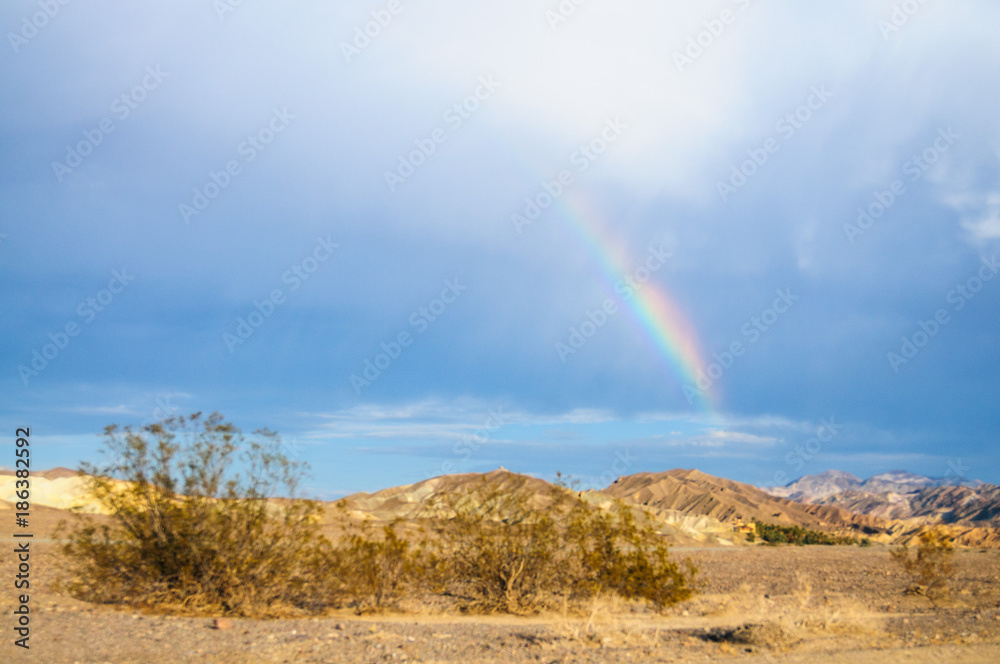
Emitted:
<point x="985" y="228"/>
<point x="725" y="436"/>
<point x="120" y="409"/>
<point x="979" y="213"/>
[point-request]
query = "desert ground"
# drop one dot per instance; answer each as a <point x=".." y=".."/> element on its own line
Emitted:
<point x="755" y="604"/>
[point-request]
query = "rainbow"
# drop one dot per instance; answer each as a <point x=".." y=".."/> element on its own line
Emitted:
<point x="659" y="316"/>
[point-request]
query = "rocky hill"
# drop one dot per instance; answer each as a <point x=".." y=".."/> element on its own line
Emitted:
<point x="432" y="498"/>
<point x="693" y="492"/>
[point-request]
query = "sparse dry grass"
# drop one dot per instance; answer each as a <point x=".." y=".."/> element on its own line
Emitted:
<point x="752" y="617"/>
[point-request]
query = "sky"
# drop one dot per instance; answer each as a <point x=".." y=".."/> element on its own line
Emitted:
<point x="423" y="237"/>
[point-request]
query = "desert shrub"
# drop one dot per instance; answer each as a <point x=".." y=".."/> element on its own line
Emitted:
<point x="202" y="519"/>
<point x="932" y="565"/>
<point x="194" y="523"/>
<point x="498" y="552"/>
<point x="508" y="549"/>
<point x="372" y="573"/>
<point x="617" y="555"/>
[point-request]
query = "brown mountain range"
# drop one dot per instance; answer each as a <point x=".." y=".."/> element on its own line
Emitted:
<point x="695" y="492"/>
<point x="689" y="507"/>
<point x="901" y="496"/>
<point x="973" y="506"/>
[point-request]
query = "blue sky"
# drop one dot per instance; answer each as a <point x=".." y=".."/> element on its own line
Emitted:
<point x="237" y="208"/>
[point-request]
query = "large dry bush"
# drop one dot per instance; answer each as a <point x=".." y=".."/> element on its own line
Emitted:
<point x="499" y="554"/>
<point x="194" y="524"/>
<point x="373" y="571"/>
<point x="512" y="549"/>
<point x="932" y="566"/>
<point x="615" y="554"/>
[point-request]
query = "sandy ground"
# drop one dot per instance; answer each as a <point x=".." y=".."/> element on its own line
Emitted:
<point x="818" y="605"/>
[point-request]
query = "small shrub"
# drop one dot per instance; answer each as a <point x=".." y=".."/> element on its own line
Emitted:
<point x="932" y="566"/>
<point x="768" y="634"/>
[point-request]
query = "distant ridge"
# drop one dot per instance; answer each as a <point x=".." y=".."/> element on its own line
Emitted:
<point x="54" y="474"/>
<point x="695" y="492"/>
<point x="900" y="495"/>
<point x="816" y="486"/>
<point x="813" y="487"/>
